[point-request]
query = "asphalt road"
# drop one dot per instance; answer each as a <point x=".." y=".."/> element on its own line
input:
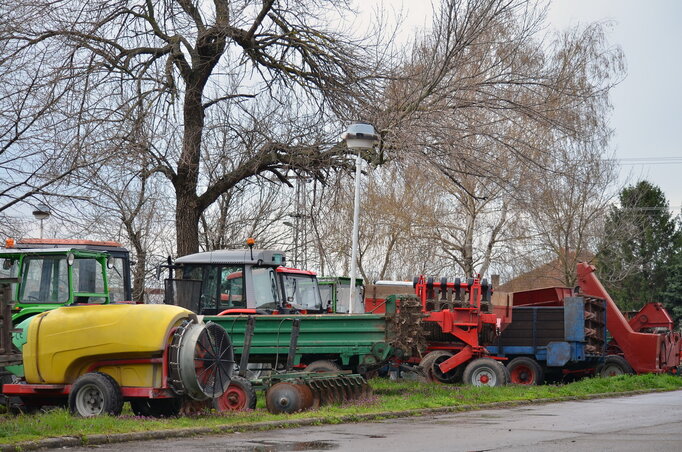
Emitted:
<point x="637" y="423"/>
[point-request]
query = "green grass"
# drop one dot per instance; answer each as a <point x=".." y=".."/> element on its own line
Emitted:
<point x="388" y="396"/>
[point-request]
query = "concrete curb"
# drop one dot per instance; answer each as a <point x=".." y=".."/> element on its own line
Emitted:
<point x="74" y="441"/>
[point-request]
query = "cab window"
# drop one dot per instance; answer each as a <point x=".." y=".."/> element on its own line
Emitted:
<point x="116" y="282"/>
<point x="232" y="287"/>
<point x="45" y="280"/>
<point x="265" y="288"/>
<point x="88" y="281"/>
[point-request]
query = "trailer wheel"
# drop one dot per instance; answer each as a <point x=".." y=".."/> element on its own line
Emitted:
<point x="614" y="365"/>
<point x="525" y="371"/>
<point x="156" y="407"/>
<point x="484" y="372"/>
<point x="95" y="393"/>
<point x="507" y="375"/>
<point x="239" y="396"/>
<point x="323" y="366"/>
<point x="430" y="367"/>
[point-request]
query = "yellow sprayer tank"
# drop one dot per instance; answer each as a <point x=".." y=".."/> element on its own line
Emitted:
<point x="64" y="343"/>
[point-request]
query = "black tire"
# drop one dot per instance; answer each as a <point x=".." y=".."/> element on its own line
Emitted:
<point x="507" y="375"/>
<point x="95" y="393"/>
<point x="525" y="371"/>
<point x="614" y="365"/>
<point x="156" y="407"/>
<point x="429" y="367"/>
<point x="239" y="396"/>
<point x="323" y="366"/>
<point x="484" y="372"/>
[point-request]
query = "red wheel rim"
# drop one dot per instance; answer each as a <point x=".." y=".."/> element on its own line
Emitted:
<point x="484" y="379"/>
<point x="234" y="399"/>
<point x="522" y="375"/>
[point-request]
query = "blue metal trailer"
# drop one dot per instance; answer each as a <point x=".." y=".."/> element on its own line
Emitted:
<point x="556" y="340"/>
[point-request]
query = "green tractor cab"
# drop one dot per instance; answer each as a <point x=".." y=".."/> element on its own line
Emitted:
<point x="53" y="277"/>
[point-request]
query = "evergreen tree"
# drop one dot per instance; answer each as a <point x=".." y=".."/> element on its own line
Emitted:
<point x="672" y="295"/>
<point x="641" y="240"/>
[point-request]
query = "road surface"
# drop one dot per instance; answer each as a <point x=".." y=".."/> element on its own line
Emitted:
<point x="635" y="423"/>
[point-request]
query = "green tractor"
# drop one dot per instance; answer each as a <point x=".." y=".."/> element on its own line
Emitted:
<point x="49" y="278"/>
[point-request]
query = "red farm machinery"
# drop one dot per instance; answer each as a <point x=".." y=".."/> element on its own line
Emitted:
<point x="470" y="336"/>
<point x="459" y="322"/>
<point x="646" y="343"/>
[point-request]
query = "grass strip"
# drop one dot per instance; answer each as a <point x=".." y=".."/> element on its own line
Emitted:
<point x="400" y="398"/>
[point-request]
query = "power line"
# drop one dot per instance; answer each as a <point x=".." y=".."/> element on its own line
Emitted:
<point x="647" y="160"/>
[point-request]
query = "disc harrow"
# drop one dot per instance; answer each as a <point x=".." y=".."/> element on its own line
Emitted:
<point x="288" y="393"/>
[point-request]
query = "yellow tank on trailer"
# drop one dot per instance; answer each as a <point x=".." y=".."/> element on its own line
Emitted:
<point x="64" y="343"/>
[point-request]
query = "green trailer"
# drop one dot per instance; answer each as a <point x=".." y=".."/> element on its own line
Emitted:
<point x="207" y="283"/>
<point x="359" y="341"/>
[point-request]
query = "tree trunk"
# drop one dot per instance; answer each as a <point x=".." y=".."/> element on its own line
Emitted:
<point x="187" y="209"/>
<point x="187" y="223"/>
<point x="139" y="276"/>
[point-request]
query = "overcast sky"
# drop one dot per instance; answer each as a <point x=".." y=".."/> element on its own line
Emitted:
<point x="647" y="115"/>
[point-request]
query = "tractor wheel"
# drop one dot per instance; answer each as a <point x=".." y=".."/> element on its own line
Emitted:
<point x="525" y="371"/>
<point x="484" y="372"/>
<point x="285" y="397"/>
<point x="614" y="365"/>
<point x="429" y="366"/>
<point x="239" y="396"/>
<point x="323" y="366"/>
<point x="95" y="393"/>
<point x="156" y="407"/>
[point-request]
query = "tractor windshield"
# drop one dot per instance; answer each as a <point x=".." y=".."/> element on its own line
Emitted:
<point x="45" y="279"/>
<point x="302" y="291"/>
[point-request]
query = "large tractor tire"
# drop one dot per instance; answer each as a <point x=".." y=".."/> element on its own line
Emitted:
<point x="614" y="365"/>
<point x="429" y="366"/>
<point x="323" y="366"/>
<point x="239" y="396"/>
<point x="484" y="372"/>
<point x="95" y="393"/>
<point x="525" y="371"/>
<point x="156" y="407"/>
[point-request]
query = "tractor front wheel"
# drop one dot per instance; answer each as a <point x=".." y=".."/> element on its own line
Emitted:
<point x="525" y="371"/>
<point x="95" y="393"/>
<point x="239" y="396"/>
<point x="484" y="372"/>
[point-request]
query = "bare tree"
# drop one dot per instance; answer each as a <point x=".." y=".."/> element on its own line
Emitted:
<point x="492" y="104"/>
<point x="199" y="54"/>
<point x="36" y="156"/>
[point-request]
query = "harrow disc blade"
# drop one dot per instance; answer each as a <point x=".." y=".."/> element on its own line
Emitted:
<point x="285" y="397"/>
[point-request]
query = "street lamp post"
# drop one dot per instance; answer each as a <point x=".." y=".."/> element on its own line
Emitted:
<point x="357" y="138"/>
<point x="41" y="213"/>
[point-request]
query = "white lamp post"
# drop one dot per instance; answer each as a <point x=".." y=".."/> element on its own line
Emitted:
<point x="357" y="137"/>
<point x="41" y="213"/>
